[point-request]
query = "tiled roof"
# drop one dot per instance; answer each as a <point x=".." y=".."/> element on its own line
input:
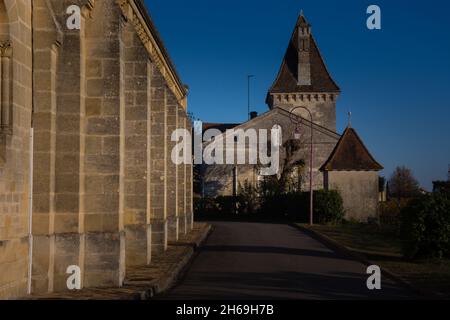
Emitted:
<point x="286" y="81"/>
<point x="220" y="126"/>
<point x="350" y="154"/>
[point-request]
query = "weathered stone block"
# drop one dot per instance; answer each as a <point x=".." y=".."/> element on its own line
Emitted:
<point x="136" y="245"/>
<point x="102" y="260"/>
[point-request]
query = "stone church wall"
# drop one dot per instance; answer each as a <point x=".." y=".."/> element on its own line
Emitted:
<point x="106" y="196"/>
<point x="16" y="106"/>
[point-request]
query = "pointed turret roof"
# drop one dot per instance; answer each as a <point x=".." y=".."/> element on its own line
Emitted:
<point x="301" y="20"/>
<point x="286" y="81"/>
<point x="350" y="154"/>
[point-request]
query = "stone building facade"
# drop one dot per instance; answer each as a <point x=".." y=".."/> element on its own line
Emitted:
<point x="224" y="179"/>
<point x="16" y="109"/>
<point x="304" y="89"/>
<point x="353" y="171"/>
<point x="96" y="107"/>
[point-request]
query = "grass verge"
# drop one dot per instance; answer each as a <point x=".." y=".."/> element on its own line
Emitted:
<point x="383" y="247"/>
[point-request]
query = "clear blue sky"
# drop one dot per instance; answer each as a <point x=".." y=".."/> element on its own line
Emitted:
<point x="396" y="81"/>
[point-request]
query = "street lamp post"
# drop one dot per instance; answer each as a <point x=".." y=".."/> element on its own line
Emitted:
<point x="248" y="94"/>
<point x="311" y="198"/>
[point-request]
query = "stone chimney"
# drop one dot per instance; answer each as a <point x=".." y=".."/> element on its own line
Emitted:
<point x="304" y="63"/>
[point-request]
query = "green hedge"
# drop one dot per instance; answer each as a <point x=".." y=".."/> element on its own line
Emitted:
<point x="425" y="227"/>
<point x="328" y="206"/>
<point x="291" y="206"/>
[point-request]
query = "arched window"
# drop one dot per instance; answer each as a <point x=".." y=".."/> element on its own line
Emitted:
<point x="5" y="72"/>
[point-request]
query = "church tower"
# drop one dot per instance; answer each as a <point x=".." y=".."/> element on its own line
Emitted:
<point x="303" y="79"/>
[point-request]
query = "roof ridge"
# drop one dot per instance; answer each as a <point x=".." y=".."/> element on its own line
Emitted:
<point x="323" y="62"/>
<point x="286" y="113"/>
<point x="363" y="144"/>
<point x="337" y="160"/>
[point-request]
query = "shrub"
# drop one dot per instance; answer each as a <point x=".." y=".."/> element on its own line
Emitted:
<point x="403" y="184"/>
<point x="216" y="207"/>
<point x="425" y="227"/>
<point x="441" y="187"/>
<point x="291" y="206"/>
<point x="328" y="206"/>
<point x="247" y="198"/>
<point x="205" y="206"/>
<point x="389" y="211"/>
<point x="297" y="206"/>
<point x="227" y="205"/>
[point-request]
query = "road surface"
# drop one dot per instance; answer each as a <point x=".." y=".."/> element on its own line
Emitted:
<point x="275" y="261"/>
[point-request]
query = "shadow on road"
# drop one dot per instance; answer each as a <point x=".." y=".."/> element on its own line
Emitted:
<point x="281" y="285"/>
<point x="275" y="261"/>
<point x="276" y="250"/>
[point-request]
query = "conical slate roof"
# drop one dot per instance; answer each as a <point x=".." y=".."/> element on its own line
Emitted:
<point x="350" y="154"/>
<point x="286" y="81"/>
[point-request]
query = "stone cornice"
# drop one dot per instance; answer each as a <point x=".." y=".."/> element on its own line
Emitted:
<point x="133" y="14"/>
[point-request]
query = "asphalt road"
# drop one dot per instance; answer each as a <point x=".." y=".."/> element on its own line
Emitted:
<point x="275" y="261"/>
